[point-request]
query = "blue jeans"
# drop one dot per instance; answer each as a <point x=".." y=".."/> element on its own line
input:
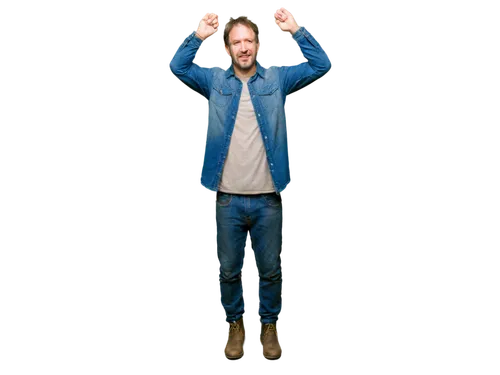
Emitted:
<point x="262" y="215"/>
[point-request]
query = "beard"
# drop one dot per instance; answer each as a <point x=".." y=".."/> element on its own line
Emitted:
<point x="244" y="64"/>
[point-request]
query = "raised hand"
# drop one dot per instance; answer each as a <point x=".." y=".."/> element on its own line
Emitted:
<point x="208" y="25"/>
<point x="285" y="20"/>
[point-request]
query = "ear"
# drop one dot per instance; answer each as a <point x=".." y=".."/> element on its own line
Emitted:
<point x="226" y="50"/>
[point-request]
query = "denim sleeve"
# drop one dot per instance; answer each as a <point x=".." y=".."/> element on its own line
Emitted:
<point x="197" y="78"/>
<point x="293" y="78"/>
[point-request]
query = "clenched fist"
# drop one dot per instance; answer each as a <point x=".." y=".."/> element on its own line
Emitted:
<point x="285" y="20"/>
<point x="208" y="25"/>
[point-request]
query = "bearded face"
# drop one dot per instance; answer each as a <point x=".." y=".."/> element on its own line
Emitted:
<point x="242" y="47"/>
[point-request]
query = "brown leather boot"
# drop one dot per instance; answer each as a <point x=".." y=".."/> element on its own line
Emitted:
<point x="234" y="347"/>
<point x="269" y="339"/>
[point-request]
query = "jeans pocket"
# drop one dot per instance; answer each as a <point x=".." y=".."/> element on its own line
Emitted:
<point x="272" y="199"/>
<point x="223" y="199"/>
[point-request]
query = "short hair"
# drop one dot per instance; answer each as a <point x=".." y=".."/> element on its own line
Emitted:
<point x="240" y="21"/>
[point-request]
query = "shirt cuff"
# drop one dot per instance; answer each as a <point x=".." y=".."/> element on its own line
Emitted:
<point x="299" y="33"/>
<point x="192" y="39"/>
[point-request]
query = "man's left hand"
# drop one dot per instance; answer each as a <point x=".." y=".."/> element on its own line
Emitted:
<point x="285" y="20"/>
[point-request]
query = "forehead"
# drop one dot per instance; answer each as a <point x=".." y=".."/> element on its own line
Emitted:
<point x="239" y="32"/>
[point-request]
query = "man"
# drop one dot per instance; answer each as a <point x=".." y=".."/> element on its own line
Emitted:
<point x="246" y="158"/>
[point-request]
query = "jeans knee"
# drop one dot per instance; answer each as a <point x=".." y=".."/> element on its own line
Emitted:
<point x="272" y="275"/>
<point x="229" y="276"/>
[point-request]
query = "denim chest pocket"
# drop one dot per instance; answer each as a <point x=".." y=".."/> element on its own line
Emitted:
<point x="268" y="90"/>
<point x="221" y="96"/>
<point x="268" y="95"/>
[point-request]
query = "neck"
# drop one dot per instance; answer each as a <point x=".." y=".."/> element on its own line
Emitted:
<point x="246" y="73"/>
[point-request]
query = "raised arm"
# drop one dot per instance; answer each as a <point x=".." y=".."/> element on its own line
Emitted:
<point x="197" y="78"/>
<point x="294" y="78"/>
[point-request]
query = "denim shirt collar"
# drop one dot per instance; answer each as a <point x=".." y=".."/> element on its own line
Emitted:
<point x="230" y="71"/>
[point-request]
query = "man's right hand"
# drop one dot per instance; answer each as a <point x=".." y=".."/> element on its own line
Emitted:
<point x="208" y="26"/>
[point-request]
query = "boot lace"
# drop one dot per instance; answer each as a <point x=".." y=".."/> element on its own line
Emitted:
<point x="269" y="328"/>
<point x="234" y="327"/>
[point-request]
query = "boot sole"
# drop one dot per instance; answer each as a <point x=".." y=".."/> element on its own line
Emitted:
<point x="237" y="358"/>
<point x="271" y="359"/>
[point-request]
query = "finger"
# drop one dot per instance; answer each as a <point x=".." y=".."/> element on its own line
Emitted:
<point x="287" y="13"/>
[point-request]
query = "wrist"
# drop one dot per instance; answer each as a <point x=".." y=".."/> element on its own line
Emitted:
<point x="199" y="36"/>
<point x="294" y="29"/>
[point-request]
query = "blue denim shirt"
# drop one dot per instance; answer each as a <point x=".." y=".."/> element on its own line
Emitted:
<point x="268" y="90"/>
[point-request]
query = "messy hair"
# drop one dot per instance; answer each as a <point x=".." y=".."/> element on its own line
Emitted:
<point x="240" y="21"/>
